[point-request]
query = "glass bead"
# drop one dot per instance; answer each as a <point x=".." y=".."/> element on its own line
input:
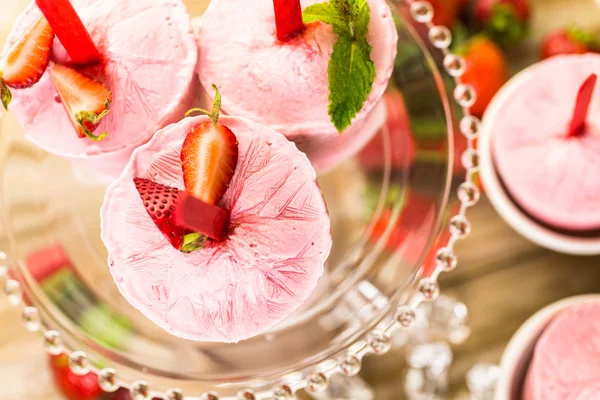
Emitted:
<point x="380" y="342"/>
<point x="283" y="392"/>
<point x="429" y="288"/>
<point x="406" y="316"/>
<point x="53" y="343"/>
<point x="12" y="289"/>
<point x="446" y="259"/>
<point x="174" y="394"/>
<point x="421" y="11"/>
<point x="3" y="264"/>
<point x="454" y="65"/>
<point x="31" y="319"/>
<point x="79" y="363"/>
<point x="468" y="194"/>
<point x="460" y="226"/>
<point x="350" y="365"/>
<point x="317" y="382"/>
<point x="440" y="37"/>
<point x="107" y="380"/>
<point x="470" y="159"/>
<point x="209" y="396"/>
<point x="465" y="95"/>
<point x="140" y="390"/>
<point x="469" y="127"/>
<point x="246" y="395"/>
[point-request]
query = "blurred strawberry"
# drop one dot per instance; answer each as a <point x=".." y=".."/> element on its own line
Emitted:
<point x="446" y="12"/>
<point x="417" y="211"/>
<point x="486" y="70"/>
<point x="505" y="21"/>
<point x="72" y="386"/>
<point x="572" y="40"/>
<point x="401" y="141"/>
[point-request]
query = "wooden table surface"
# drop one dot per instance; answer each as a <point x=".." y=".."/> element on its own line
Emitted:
<point x="502" y="277"/>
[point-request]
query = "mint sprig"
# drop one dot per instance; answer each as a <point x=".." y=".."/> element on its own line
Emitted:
<point x="351" y="70"/>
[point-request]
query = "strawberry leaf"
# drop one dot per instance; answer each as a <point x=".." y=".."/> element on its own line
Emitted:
<point x="5" y="95"/>
<point x="216" y="108"/>
<point x="351" y="69"/>
<point x="192" y="242"/>
<point x="93" y="119"/>
<point x="351" y="77"/>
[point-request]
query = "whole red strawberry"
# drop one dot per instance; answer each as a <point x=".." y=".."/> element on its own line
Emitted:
<point x="486" y="70"/>
<point x="74" y="387"/>
<point x="505" y="21"/>
<point x="570" y="41"/>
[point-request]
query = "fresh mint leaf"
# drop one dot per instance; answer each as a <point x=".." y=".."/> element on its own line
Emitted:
<point x="328" y="14"/>
<point x="351" y="70"/>
<point x="351" y="76"/>
<point x="361" y="15"/>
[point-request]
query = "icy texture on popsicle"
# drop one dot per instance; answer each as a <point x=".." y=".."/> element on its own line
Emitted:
<point x="566" y="361"/>
<point x="284" y="85"/>
<point x="270" y="262"/>
<point x="150" y="56"/>
<point x="553" y="177"/>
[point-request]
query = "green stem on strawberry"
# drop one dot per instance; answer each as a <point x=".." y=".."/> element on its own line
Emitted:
<point x="5" y="95"/>
<point x="216" y="108"/>
<point x="192" y="242"/>
<point x="93" y="119"/>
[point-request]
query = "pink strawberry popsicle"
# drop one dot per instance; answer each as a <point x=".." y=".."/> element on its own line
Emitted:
<point x="149" y="58"/>
<point x="566" y="360"/>
<point x="269" y="262"/>
<point x="553" y="176"/>
<point x="285" y="85"/>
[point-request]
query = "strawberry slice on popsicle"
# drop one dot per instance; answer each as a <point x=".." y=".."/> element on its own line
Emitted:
<point x="85" y="99"/>
<point x="24" y="63"/>
<point x="209" y="156"/>
<point x="70" y="31"/>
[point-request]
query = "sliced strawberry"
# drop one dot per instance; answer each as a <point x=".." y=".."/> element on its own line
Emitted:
<point x="85" y="99"/>
<point x="70" y="31"/>
<point x="160" y="202"/>
<point x="201" y="217"/>
<point x="24" y="63"/>
<point x="288" y="18"/>
<point x="209" y="156"/>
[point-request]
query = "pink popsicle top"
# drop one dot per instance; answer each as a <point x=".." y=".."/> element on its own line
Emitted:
<point x="566" y="361"/>
<point x="554" y="178"/>
<point x="285" y="85"/>
<point x="268" y="266"/>
<point x="150" y="58"/>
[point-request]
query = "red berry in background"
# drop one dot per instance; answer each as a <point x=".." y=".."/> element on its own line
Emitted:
<point x="72" y="386"/>
<point x="505" y="21"/>
<point x="570" y="41"/>
<point x="486" y="70"/>
<point x="446" y="12"/>
<point x="401" y="142"/>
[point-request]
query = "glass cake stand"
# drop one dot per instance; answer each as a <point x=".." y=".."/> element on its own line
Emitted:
<point x="394" y="226"/>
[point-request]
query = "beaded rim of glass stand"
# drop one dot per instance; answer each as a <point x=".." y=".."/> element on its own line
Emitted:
<point x="379" y="340"/>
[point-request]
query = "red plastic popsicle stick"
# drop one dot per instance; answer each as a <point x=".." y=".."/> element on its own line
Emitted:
<point x="288" y="18"/>
<point x="201" y="217"/>
<point x="71" y="32"/>
<point x="582" y="105"/>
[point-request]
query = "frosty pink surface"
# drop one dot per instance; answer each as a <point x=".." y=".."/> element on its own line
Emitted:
<point x="285" y="85"/>
<point x="272" y="259"/>
<point x="566" y="361"/>
<point x="553" y="177"/>
<point x="150" y="57"/>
